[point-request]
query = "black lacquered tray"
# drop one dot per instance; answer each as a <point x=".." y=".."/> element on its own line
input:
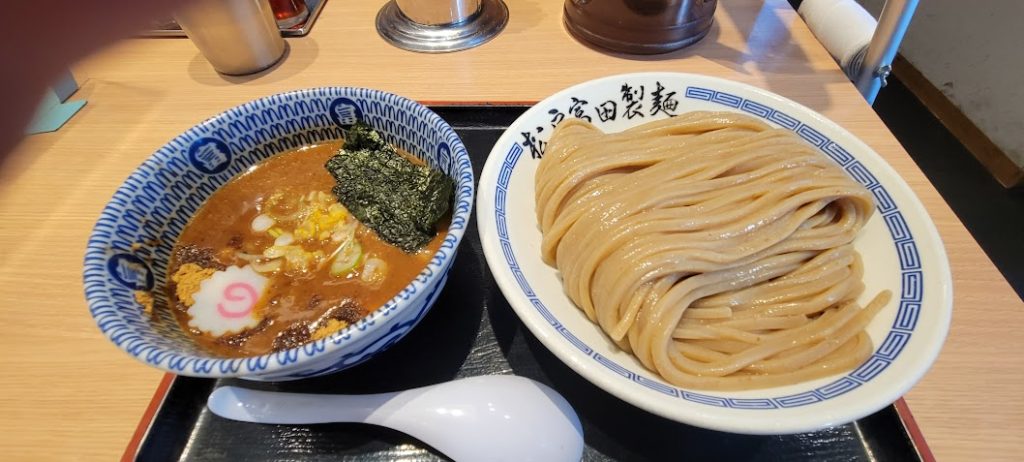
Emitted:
<point x="472" y="330"/>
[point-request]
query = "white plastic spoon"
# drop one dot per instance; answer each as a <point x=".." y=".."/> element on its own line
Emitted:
<point x="494" y="417"/>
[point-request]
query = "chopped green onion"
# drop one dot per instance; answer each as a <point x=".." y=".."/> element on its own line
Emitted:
<point x="347" y="259"/>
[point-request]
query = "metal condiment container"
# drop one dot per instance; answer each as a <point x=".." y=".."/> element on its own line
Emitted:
<point x="439" y="26"/>
<point x="236" y="36"/>
<point x="438" y="12"/>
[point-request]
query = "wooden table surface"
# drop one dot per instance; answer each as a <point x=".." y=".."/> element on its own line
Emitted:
<point x="68" y="393"/>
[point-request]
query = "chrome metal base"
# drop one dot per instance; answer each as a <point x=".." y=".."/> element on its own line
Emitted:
<point x="407" y="34"/>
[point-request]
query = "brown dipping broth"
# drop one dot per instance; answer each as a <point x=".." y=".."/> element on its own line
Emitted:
<point x="223" y="224"/>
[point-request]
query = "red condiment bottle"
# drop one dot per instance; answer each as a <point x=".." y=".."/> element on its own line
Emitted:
<point x="289" y="13"/>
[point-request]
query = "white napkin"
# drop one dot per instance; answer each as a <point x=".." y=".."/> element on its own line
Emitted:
<point x="843" y="27"/>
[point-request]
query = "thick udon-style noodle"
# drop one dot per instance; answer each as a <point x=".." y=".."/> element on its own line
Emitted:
<point x="716" y="249"/>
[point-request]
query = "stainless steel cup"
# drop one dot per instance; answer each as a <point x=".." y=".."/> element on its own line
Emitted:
<point x="236" y="36"/>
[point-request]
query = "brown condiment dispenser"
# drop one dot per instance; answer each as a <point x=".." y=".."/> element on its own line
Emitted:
<point x="639" y="26"/>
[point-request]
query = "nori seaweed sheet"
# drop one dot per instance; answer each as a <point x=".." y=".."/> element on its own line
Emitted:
<point x="400" y="200"/>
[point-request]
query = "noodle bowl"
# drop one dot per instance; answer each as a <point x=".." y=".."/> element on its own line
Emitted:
<point x="714" y="248"/>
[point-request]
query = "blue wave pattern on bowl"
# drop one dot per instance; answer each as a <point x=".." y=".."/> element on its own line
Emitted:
<point x="911" y="283"/>
<point x="131" y="243"/>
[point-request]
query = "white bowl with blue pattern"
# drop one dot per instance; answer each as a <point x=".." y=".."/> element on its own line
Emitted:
<point x="900" y="246"/>
<point x="130" y="245"/>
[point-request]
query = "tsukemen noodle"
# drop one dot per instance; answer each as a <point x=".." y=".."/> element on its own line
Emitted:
<point x="716" y="249"/>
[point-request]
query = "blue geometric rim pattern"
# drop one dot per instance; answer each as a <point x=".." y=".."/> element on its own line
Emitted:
<point x="156" y="201"/>
<point x="912" y="283"/>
